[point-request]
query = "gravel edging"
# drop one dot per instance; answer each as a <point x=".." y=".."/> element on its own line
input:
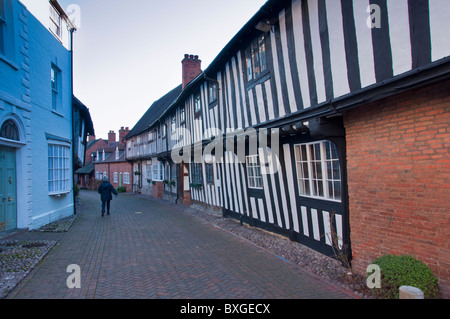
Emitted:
<point x="17" y="259"/>
<point x="308" y="259"/>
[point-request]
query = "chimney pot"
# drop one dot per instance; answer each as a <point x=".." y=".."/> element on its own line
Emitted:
<point x="191" y="68"/>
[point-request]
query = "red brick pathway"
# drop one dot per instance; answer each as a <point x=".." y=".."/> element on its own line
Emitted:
<point x="151" y="249"/>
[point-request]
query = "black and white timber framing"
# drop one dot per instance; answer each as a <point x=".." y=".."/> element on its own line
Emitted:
<point x="322" y="57"/>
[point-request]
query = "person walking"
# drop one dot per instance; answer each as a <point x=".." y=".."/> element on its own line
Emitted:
<point x="106" y="190"/>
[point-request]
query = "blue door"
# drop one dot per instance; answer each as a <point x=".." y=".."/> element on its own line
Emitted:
<point x="8" y="192"/>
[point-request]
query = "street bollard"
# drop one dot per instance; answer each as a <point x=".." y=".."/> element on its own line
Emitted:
<point x="407" y="292"/>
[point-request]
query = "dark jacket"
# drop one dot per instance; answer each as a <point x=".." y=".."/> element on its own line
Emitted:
<point x="105" y="189"/>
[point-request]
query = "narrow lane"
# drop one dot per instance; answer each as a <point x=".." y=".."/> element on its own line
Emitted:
<point x="152" y="249"/>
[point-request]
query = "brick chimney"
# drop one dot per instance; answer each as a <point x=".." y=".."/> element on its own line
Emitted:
<point x="192" y="67"/>
<point x="91" y="138"/>
<point x="122" y="133"/>
<point x="111" y="137"/>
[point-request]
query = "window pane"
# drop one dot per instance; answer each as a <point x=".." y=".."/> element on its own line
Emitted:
<point x="336" y="170"/>
<point x="262" y="53"/>
<point x="337" y="190"/>
<point x="249" y="69"/>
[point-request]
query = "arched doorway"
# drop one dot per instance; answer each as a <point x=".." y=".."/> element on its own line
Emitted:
<point x="8" y="178"/>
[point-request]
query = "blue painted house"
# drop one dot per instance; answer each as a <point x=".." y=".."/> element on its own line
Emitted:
<point x="36" y="114"/>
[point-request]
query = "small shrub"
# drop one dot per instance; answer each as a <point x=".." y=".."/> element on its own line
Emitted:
<point x="121" y="189"/>
<point x="76" y="190"/>
<point x="401" y="270"/>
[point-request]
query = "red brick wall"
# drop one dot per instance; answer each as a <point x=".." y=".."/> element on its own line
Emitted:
<point x="158" y="189"/>
<point x="398" y="153"/>
<point x="120" y="167"/>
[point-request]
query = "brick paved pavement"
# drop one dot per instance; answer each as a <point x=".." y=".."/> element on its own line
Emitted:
<point x="151" y="249"/>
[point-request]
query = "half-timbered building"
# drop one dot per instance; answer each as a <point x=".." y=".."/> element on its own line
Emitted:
<point x="341" y="108"/>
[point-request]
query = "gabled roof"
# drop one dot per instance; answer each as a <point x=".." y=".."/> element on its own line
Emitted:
<point x="84" y="111"/>
<point x="154" y="112"/>
<point x="88" y="169"/>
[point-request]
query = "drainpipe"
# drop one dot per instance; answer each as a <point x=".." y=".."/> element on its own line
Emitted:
<point x="71" y="31"/>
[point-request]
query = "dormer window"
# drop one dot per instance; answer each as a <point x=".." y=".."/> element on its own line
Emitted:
<point x="197" y="104"/>
<point x="182" y="115"/>
<point x="55" y="22"/>
<point x="212" y="92"/>
<point x="255" y="57"/>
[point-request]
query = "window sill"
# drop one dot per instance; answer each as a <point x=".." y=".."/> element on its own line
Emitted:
<point x="57" y="113"/>
<point x="58" y="195"/>
<point x="9" y="62"/>
<point x="260" y="79"/>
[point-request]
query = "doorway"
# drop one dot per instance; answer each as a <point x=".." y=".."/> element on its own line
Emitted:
<point x="8" y="189"/>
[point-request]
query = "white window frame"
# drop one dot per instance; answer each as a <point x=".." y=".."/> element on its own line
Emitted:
<point x="55" y="22"/>
<point x="116" y="177"/>
<point x="157" y="170"/>
<point x="126" y="178"/>
<point x="197" y="103"/>
<point x="58" y="169"/>
<point x="256" y="58"/>
<point x="254" y="174"/>
<point x="55" y="84"/>
<point x="317" y="182"/>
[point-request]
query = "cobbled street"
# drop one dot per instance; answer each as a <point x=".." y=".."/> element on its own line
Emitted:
<point x="151" y="249"/>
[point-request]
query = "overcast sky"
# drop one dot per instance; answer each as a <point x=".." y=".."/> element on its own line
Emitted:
<point x="128" y="53"/>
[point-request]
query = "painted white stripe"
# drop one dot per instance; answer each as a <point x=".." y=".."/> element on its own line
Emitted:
<point x="290" y="180"/>
<point x="244" y="185"/>
<point x="262" y="212"/>
<point x="282" y="189"/>
<point x="254" y="212"/>
<point x="233" y="179"/>
<point x="253" y="119"/>
<point x="300" y="52"/>
<point x="217" y="185"/>
<point x="222" y="111"/>
<point x="203" y="94"/>
<point x="305" y="221"/>
<point x="242" y="88"/>
<point x="315" y="222"/>
<point x="287" y="63"/>
<point x="228" y="182"/>
<point x="339" y="230"/>
<point x="239" y="188"/>
<point x="364" y="39"/>
<point x="439" y="25"/>
<point x="317" y="50"/>
<point x="230" y="101"/>
<point x="274" y="193"/>
<point x="268" y="88"/>
<point x="399" y="34"/>
<point x="337" y="48"/>
<point x="260" y="100"/>
<point x="276" y="74"/>
<point x="225" y="185"/>
<point x="236" y="93"/>
<point x="267" y="195"/>
<point x="327" y="227"/>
